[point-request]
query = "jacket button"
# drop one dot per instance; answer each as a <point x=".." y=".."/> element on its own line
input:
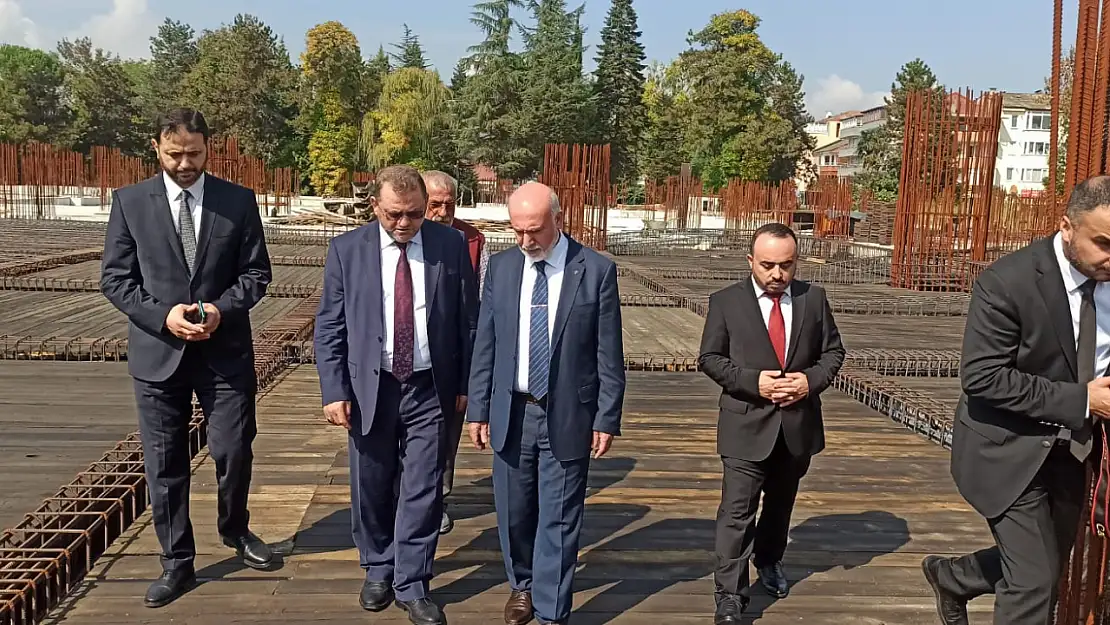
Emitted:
<point x="1046" y="443"/>
<point x="380" y="340"/>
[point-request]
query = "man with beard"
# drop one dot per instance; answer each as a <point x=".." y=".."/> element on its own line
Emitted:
<point x="772" y="345"/>
<point x="1035" y="355"/>
<point x="185" y="260"/>
<point x="546" y="388"/>
<point x="394" y="334"/>
<point x="442" y="190"/>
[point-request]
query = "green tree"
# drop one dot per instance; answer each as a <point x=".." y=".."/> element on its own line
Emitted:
<point x="458" y="77"/>
<point x="410" y="123"/>
<point x="245" y="84"/>
<point x="1067" y="78"/>
<point x="103" y="99"/>
<point x="409" y="52"/>
<point x="173" y="54"/>
<point x="619" y="89"/>
<point x="662" y="149"/>
<point x="557" y="104"/>
<point x="332" y="106"/>
<point x="744" y="116"/>
<point x="483" y="110"/>
<point x="32" y="104"/>
<point x="880" y="149"/>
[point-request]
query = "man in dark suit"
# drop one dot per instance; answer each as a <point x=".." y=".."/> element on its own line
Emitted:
<point x="546" y="388"/>
<point x="1037" y="340"/>
<point x="185" y="259"/>
<point x="771" y="343"/>
<point x="442" y="189"/>
<point x="394" y="335"/>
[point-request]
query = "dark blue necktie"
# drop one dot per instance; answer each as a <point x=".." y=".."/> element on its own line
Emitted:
<point x="539" y="350"/>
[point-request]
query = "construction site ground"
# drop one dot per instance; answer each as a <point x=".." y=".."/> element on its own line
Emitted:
<point x="876" y="501"/>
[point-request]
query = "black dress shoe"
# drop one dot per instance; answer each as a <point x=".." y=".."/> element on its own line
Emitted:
<point x="170" y="586"/>
<point x="255" y="553"/>
<point x="774" y="579"/>
<point x="375" y="596"/>
<point x="951" y="609"/>
<point x="422" y="611"/>
<point x="446" y="524"/>
<point x="729" y="609"/>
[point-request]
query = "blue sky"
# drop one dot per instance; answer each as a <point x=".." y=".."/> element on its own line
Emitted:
<point x="848" y="52"/>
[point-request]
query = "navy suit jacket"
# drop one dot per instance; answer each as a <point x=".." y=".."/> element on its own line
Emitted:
<point x="586" y="383"/>
<point x="350" y="323"/>
<point x="143" y="274"/>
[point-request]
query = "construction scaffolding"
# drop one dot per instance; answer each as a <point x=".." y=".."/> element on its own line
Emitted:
<point x="579" y="175"/>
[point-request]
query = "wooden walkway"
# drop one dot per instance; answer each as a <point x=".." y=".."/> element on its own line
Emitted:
<point x="876" y="501"/>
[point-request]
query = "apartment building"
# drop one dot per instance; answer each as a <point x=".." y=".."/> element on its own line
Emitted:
<point x="1024" y="143"/>
<point x="838" y="154"/>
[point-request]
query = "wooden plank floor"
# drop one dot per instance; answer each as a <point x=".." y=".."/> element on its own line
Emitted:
<point x="56" y="418"/>
<point x="894" y="332"/>
<point x="661" y="330"/>
<point x="873" y="504"/>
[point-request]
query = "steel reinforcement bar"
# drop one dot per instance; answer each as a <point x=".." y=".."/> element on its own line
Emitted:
<point x="44" y="556"/>
<point x="79" y="285"/>
<point x="298" y="261"/>
<point x="94" y="349"/>
<point x="930" y="363"/>
<point x="43" y="263"/>
<point x="913" y="409"/>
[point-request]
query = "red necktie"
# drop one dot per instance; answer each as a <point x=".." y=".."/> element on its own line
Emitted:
<point x="403" y="324"/>
<point x="776" y="328"/>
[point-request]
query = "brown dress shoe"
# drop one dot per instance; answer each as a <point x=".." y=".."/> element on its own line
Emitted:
<point x="518" y="609"/>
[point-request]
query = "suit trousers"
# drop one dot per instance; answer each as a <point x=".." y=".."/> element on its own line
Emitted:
<point x="540" y="505"/>
<point x="165" y="410"/>
<point x="739" y="535"/>
<point x="454" y="435"/>
<point x="1032" y="541"/>
<point x="396" y="477"/>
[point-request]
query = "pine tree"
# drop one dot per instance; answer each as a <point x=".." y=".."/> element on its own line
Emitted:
<point x="458" y="78"/>
<point x="411" y="53"/>
<point x="619" y="89"/>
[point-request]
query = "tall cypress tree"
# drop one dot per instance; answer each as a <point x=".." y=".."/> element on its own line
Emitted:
<point x="619" y="89"/>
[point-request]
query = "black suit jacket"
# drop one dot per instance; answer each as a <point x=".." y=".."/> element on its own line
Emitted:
<point x="1019" y="378"/>
<point x="144" y="274"/>
<point x="735" y="348"/>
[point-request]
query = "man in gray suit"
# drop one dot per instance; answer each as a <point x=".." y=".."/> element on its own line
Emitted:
<point x="185" y="259"/>
<point x="546" y="388"/>
<point x="1037" y="337"/>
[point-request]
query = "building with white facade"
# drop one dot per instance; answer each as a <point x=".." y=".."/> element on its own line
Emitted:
<point x="1024" y="143"/>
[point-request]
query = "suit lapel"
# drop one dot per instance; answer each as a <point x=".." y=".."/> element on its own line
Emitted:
<point x="207" y="216"/>
<point x="572" y="278"/>
<point x="372" y="260"/>
<point x="433" y="265"/>
<point x="1051" y="285"/>
<point x="161" y="206"/>
<point x="751" y="311"/>
<point x="511" y="309"/>
<point x="797" y="317"/>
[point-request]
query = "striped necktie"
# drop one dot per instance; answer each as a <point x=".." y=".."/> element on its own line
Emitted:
<point x="187" y="231"/>
<point x="539" y="349"/>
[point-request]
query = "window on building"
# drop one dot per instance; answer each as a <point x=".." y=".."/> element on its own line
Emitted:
<point x="1033" y="175"/>
<point x="1038" y="121"/>
<point x="1036" y="148"/>
<point x="1014" y="121"/>
<point x="1009" y="173"/>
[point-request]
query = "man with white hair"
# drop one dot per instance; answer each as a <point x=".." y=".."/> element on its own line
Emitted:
<point x="546" y="389"/>
<point x="442" y="190"/>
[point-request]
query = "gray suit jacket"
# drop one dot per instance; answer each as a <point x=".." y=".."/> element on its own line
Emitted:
<point x="144" y="274"/>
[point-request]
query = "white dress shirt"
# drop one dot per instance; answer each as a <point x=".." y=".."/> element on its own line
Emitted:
<point x="196" y="202"/>
<point x="391" y="254"/>
<point x="1072" y="281"/>
<point x="556" y="262"/>
<point x="786" y="305"/>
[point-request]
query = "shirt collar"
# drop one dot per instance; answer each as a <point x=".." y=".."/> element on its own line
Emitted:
<point x="759" y="292"/>
<point x="173" y="190"/>
<point x="385" y="240"/>
<point x="1073" y="279"/>
<point x="556" y="258"/>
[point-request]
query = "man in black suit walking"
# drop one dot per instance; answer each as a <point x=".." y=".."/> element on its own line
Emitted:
<point x="185" y="260"/>
<point x="1037" y="340"/>
<point x="772" y="345"/>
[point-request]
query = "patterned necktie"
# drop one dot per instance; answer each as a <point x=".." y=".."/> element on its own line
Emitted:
<point x="404" y="334"/>
<point x="539" y="350"/>
<point x="776" y="327"/>
<point x="187" y="231"/>
<point x="1085" y="362"/>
